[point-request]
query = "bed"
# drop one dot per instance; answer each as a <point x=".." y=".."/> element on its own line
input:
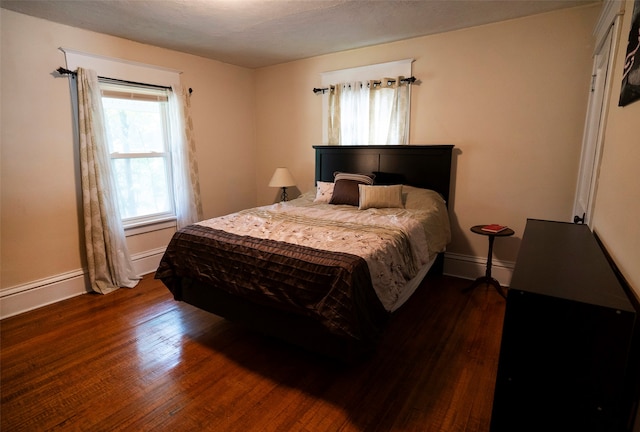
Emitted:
<point x="319" y="272"/>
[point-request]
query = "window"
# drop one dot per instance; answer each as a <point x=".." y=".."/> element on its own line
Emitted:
<point x="376" y="112"/>
<point x="137" y="127"/>
<point x="359" y="115"/>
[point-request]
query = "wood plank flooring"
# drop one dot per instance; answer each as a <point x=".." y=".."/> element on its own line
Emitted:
<point x="136" y="360"/>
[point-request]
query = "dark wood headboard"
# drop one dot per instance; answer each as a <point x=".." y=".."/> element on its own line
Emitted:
<point x="424" y="166"/>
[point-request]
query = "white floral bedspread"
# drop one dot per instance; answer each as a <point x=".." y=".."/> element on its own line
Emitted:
<point x="395" y="243"/>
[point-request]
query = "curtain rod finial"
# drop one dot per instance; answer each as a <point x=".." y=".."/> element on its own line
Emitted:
<point x="64" y="71"/>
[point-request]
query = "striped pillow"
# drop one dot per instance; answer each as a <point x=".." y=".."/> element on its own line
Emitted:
<point x="362" y="178"/>
<point x="380" y="197"/>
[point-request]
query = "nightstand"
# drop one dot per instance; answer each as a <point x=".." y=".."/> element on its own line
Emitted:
<point x="487" y="278"/>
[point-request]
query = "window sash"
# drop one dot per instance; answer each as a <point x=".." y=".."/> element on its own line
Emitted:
<point x="123" y="91"/>
<point x="131" y="194"/>
<point x="118" y="155"/>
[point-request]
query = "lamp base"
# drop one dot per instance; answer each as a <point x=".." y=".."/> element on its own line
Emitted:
<point x="284" y="196"/>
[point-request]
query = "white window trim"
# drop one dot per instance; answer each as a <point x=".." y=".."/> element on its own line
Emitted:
<point x="150" y="225"/>
<point x="121" y="69"/>
<point x="361" y="73"/>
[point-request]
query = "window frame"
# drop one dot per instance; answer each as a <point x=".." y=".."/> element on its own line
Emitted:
<point x="109" y="89"/>
<point x="131" y="71"/>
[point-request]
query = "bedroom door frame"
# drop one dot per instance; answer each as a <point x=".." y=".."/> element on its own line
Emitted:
<point x="607" y="33"/>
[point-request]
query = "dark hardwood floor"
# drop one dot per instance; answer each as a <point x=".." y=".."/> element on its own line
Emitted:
<point x="137" y="360"/>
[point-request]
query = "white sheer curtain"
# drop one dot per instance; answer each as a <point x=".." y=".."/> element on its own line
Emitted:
<point x="374" y="112"/>
<point x="108" y="257"/>
<point x="186" y="186"/>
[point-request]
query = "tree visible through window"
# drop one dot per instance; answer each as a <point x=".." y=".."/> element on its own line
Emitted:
<point x="137" y="126"/>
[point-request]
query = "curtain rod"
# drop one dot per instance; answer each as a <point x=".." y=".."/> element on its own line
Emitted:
<point x="409" y="80"/>
<point x="63" y="71"/>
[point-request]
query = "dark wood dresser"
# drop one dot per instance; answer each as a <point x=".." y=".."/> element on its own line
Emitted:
<point x="567" y="337"/>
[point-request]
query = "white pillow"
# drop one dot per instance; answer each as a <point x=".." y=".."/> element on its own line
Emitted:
<point x="420" y="199"/>
<point x="324" y="191"/>
<point x="380" y="196"/>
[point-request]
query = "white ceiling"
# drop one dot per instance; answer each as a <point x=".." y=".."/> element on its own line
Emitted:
<point x="257" y="33"/>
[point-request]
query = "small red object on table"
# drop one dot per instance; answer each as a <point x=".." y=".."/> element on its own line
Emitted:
<point x="492" y="231"/>
<point x="493" y="228"/>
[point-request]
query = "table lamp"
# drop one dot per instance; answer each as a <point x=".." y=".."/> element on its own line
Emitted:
<point x="282" y="178"/>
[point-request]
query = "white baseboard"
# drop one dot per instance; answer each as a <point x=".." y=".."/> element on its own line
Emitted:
<point x="22" y="298"/>
<point x="148" y="261"/>
<point x="471" y="267"/>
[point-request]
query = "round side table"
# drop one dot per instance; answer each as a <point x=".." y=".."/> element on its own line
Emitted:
<point x="487" y="278"/>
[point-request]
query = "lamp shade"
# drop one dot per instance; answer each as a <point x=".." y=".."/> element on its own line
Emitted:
<point x="282" y="178"/>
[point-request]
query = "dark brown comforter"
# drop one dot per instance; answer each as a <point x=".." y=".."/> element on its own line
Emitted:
<point x="333" y="288"/>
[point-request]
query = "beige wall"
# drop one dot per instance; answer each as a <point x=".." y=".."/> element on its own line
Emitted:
<point x="616" y="216"/>
<point x="511" y="96"/>
<point x="40" y="228"/>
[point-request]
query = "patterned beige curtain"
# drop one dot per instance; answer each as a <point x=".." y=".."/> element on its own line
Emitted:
<point x="186" y="184"/>
<point x="374" y="112"/>
<point x="108" y="258"/>
<point x="335" y="94"/>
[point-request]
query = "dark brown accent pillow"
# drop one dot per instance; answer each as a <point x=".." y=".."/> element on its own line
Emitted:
<point x="346" y="192"/>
